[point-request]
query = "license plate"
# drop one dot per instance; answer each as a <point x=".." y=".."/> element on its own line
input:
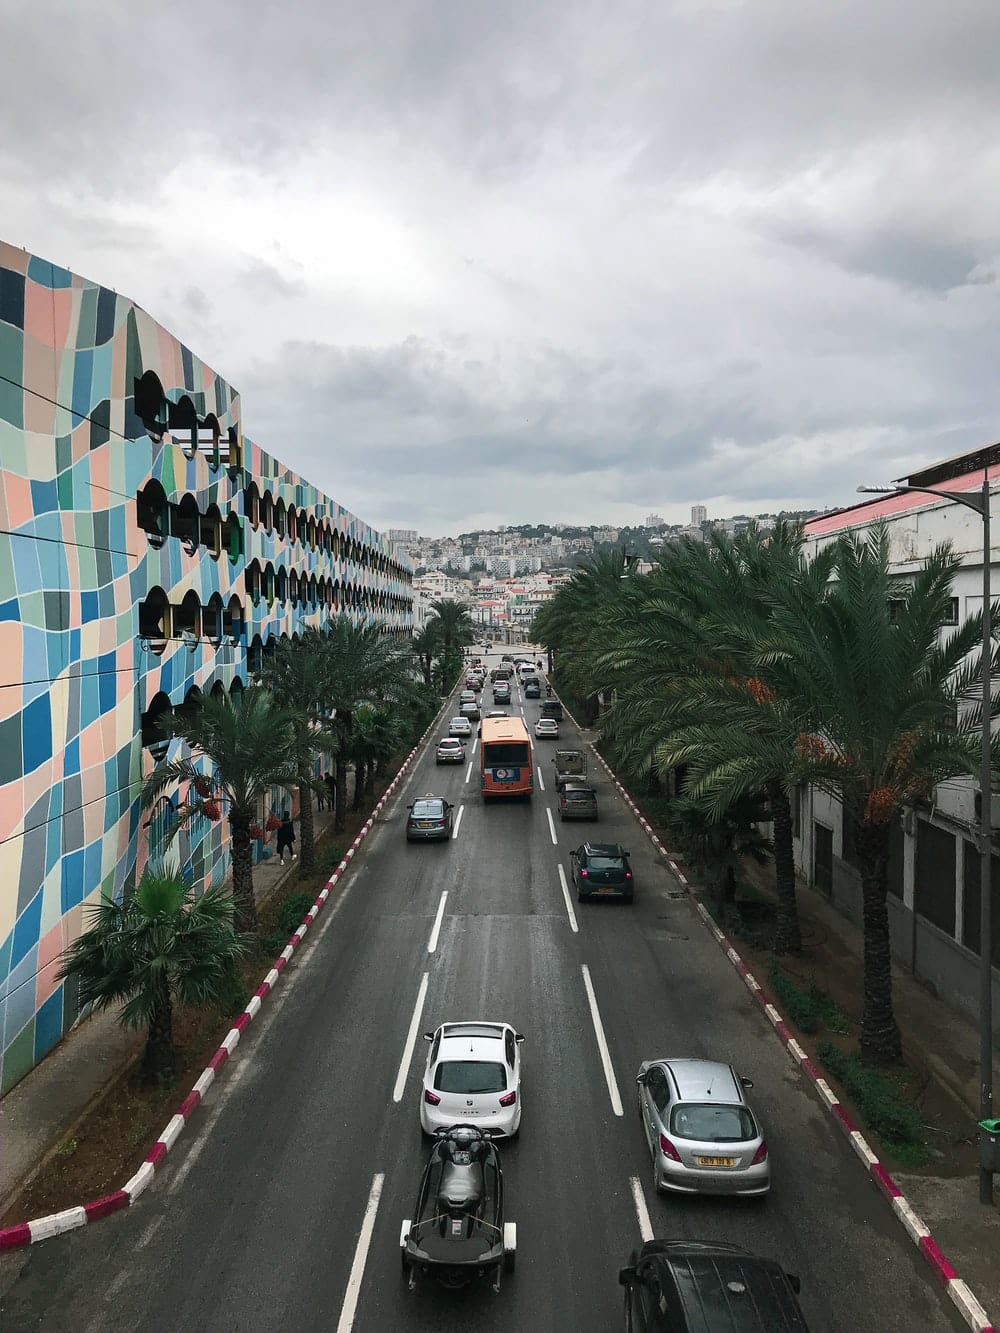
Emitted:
<point x="716" y="1161"/>
<point x="607" y="888"/>
<point x="425" y="823"/>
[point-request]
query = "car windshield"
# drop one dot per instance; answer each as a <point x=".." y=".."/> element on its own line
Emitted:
<point x="712" y="1123"/>
<point x="470" y="1076"/>
<point x="427" y="810"/>
<point x="605" y="862"/>
<point x="509" y="754"/>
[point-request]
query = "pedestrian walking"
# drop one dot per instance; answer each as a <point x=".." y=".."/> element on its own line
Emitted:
<point x="331" y="790"/>
<point x="286" y="838"/>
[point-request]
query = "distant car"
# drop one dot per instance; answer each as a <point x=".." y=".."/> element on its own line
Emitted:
<point x="467" y="696"/>
<point x="547" y="729"/>
<point x="703" y="1137"/>
<point x="449" y="750"/>
<point x="533" y="690"/>
<point x="459" y="726"/>
<point x="428" y="819"/>
<point x="507" y="658"/>
<point x="473" y="1073"/>
<point x="552" y="708"/>
<point x="501" y="693"/>
<point x="601" y="869"/>
<point x="577" y="803"/>
<point x="469" y="708"/>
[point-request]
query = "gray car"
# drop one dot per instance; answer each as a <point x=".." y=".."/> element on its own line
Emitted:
<point x="702" y="1135"/>
<point x="577" y="802"/>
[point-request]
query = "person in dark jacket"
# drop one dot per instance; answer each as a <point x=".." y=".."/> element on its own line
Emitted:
<point x="331" y="790"/>
<point x="286" y="838"/>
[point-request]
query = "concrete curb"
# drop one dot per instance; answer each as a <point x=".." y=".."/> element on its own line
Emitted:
<point x="959" y="1292"/>
<point x="42" y="1228"/>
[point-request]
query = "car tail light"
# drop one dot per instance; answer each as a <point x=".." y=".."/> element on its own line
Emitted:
<point x="431" y="1098"/>
<point x="761" y="1154"/>
<point x="628" y="874"/>
<point x="509" y="1099"/>
<point x="584" y="874"/>
<point x="668" y="1149"/>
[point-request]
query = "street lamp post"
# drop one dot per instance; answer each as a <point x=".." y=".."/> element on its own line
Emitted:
<point x="981" y="504"/>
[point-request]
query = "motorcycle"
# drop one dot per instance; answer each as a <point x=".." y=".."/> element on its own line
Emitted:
<point x="458" y="1234"/>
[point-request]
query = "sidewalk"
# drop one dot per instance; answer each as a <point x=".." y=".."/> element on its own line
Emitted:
<point x="42" y="1110"/>
<point x="942" y="1043"/>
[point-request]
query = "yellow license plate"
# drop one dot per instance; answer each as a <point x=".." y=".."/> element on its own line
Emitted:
<point x="716" y="1161"/>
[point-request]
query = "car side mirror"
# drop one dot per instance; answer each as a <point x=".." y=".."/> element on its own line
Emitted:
<point x="641" y="1080"/>
<point x="428" y="1036"/>
<point x="519" y="1036"/>
<point x="795" y="1282"/>
<point x="627" y="1276"/>
<point x="747" y="1082"/>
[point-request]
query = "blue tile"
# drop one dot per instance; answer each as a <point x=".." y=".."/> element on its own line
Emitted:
<point x="44" y="497"/>
<point x="26" y="930"/>
<point x="83" y="382"/>
<point x="9" y="611"/>
<point x="71" y="885"/>
<point x="36" y="739"/>
<point x="71" y="756"/>
<point x="19" y="992"/>
<point x="89" y="607"/>
<point x="47" y="274"/>
<point x="49" y="1023"/>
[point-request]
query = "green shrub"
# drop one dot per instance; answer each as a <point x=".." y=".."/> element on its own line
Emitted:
<point x="809" y="1009"/>
<point x="877" y="1095"/>
<point x="233" y="995"/>
<point x="293" y="910"/>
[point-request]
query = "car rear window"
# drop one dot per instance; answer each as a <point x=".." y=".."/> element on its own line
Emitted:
<point x="712" y="1123"/>
<point x="470" y="1076"/>
<point x="605" y="862"/>
<point x="579" y="794"/>
<point x="427" y="810"/>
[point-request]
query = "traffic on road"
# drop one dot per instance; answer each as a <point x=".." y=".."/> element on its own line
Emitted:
<point x="615" y="1084"/>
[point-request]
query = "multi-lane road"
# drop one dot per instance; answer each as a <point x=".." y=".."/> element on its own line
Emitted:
<point x="281" y="1207"/>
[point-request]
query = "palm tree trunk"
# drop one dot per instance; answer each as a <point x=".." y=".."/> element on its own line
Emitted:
<point x="340" y="814"/>
<point x="158" y="1059"/>
<point x="788" y="936"/>
<point x="245" y="913"/>
<point x="307" y="857"/>
<point x="359" y="784"/>
<point x="880" y="1039"/>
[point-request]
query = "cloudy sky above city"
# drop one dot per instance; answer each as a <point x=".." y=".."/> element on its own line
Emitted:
<point x="539" y="260"/>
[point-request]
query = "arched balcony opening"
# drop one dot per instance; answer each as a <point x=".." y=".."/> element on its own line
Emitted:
<point x="293" y="588"/>
<point x="154" y="738"/>
<point x="267" y="511"/>
<point x="251" y="504"/>
<point x="211" y="619"/>
<point x="183" y="422"/>
<point x="187" y="618"/>
<point x="211" y="530"/>
<point x="281" y="584"/>
<point x="233" y="621"/>
<point x="154" y="619"/>
<point x="152" y="513"/>
<point x="279" y="517"/>
<point x="150" y="405"/>
<point x="185" y="523"/>
<point x="232" y="538"/>
<point x="293" y="524"/>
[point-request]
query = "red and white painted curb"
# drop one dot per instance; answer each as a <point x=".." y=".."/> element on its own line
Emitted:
<point x="959" y="1292"/>
<point x="41" y="1228"/>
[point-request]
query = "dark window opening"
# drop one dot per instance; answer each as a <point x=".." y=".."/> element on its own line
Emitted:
<point x="823" y="858"/>
<point x="934" y="887"/>
<point x="971" y="878"/>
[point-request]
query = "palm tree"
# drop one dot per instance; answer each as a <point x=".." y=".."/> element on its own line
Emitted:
<point x="425" y="644"/>
<point x="251" y="744"/>
<point x="294" y="675"/>
<point x="452" y="624"/>
<point x="361" y="665"/>
<point x="160" y="947"/>
<point x="690" y="692"/>
<point x="377" y="735"/>
<point x="882" y="686"/>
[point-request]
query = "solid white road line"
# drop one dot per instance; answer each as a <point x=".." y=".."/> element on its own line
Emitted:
<point x="458" y="821"/>
<point x="569" y="906"/>
<point x="552" y="827"/>
<point x="602" y="1043"/>
<point x="468" y="771"/>
<point x="432" y="943"/>
<point x="641" y="1211"/>
<point x="348" y="1310"/>
<point x="411" y="1041"/>
<point x="475" y="747"/>
<point x="541" y="784"/>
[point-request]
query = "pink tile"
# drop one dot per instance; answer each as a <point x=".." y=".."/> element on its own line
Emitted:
<point x="12" y="810"/>
<point x="65" y="305"/>
<point x="50" y="948"/>
<point x="38" y="313"/>
<point x="15" y="501"/>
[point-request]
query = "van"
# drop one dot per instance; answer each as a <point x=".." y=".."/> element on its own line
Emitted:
<point x="691" y="1286"/>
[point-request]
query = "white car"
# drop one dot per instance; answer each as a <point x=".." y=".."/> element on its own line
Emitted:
<point x="449" y="750"/>
<point x="473" y="1073"/>
<point x="459" y="726"/>
<point x="547" y="729"/>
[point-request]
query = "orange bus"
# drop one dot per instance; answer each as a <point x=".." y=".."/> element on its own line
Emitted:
<point x="505" y="762"/>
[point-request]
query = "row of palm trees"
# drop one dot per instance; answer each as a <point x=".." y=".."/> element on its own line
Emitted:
<point x="756" y="667"/>
<point x="348" y="692"/>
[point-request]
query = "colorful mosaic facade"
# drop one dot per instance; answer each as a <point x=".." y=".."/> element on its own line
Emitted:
<point x="148" y="549"/>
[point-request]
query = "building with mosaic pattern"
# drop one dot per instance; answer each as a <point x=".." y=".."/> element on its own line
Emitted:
<point x="149" y="550"/>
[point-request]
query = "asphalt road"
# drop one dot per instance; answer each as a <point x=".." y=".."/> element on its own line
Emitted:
<point x="281" y="1206"/>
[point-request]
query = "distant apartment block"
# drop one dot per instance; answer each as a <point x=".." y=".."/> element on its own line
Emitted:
<point x="699" y="515"/>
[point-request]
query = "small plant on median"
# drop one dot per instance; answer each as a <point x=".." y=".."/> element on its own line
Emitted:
<point x="809" y="1009"/>
<point x="877" y="1096"/>
<point x="292" y="911"/>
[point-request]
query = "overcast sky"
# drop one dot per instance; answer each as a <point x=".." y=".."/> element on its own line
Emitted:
<point x="474" y="263"/>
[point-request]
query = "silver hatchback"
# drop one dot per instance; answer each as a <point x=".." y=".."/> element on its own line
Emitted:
<point x="702" y="1135"/>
